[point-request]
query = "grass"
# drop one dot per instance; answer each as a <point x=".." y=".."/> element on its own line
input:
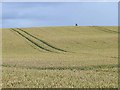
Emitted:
<point x="60" y="57"/>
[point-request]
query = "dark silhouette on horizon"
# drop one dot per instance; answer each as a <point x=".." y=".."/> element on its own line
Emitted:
<point x="76" y="24"/>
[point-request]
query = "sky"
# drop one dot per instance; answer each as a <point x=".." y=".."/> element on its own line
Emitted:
<point x="42" y="14"/>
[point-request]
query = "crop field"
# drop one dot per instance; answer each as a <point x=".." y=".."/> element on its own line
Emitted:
<point x="55" y="57"/>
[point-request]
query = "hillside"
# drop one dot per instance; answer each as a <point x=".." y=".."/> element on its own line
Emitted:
<point x="66" y="51"/>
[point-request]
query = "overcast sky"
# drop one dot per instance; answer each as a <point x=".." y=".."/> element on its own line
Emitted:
<point x="59" y="14"/>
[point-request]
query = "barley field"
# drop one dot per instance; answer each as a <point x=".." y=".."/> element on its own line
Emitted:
<point x="55" y="57"/>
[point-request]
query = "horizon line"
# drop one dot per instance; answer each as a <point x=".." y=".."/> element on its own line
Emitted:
<point x="63" y="26"/>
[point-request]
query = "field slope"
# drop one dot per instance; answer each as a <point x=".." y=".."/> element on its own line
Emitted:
<point x="82" y="56"/>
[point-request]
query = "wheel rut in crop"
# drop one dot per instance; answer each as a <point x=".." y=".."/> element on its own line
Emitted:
<point x="42" y="41"/>
<point x="37" y="45"/>
<point x="49" y="47"/>
<point x="91" y="67"/>
<point x="105" y="29"/>
<point x="27" y="42"/>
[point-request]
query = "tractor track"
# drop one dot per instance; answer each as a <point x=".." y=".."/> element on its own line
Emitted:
<point x="105" y="29"/>
<point x="85" y="68"/>
<point x="26" y="41"/>
<point x="42" y="41"/>
<point x="31" y="41"/>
